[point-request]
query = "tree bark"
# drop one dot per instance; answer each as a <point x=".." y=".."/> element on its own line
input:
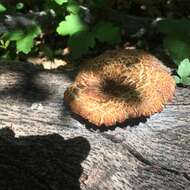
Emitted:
<point x="44" y="146"/>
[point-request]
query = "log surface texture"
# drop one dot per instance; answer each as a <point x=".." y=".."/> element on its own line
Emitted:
<point x="44" y="146"/>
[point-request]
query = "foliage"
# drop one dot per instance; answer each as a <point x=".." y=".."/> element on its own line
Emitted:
<point x="106" y="32"/>
<point x="50" y="26"/>
<point x="24" y="38"/>
<point x="71" y="25"/>
<point x="183" y="72"/>
<point x="177" y="43"/>
<point x="177" y="38"/>
<point x="2" y="8"/>
<point x="81" y="42"/>
<point x="66" y="19"/>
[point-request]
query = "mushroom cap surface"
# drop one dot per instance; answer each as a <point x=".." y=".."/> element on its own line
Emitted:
<point x="119" y="85"/>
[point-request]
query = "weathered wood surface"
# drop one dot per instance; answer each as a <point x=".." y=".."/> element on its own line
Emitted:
<point x="72" y="154"/>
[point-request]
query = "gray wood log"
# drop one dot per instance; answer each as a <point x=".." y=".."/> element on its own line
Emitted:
<point x="44" y="146"/>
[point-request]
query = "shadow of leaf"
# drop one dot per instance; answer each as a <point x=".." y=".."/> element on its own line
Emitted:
<point x="18" y="81"/>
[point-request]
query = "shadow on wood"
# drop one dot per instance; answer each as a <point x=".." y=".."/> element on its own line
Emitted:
<point x="41" y="162"/>
<point x="129" y="122"/>
<point x="18" y="81"/>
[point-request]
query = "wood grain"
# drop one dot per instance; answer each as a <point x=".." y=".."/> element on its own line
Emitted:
<point x="151" y="153"/>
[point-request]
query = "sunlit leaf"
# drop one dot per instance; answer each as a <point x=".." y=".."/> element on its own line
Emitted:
<point x="186" y="81"/>
<point x="24" y="39"/>
<point x="26" y="43"/>
<point x="72" y="24"/>
<point x="177" y="79"/>
<point x="2" y="8"/>
<point x="184" y="68"/>
<point x="60" y="2"/>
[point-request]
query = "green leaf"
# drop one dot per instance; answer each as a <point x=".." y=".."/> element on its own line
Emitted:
<point x="72" y="24"/>
<point x="184" y="69"/>
<point x="186" y="81"/>
<point x="26" y="43"/>
<point x="73" y="7"/>
<point x="177" y="41"/>
<point x="174" y="27"/>
<point x="14" y="35"/>
<point x="4" y="44"/>
<point x="60" y="2"/>
<point x="2" y="8"/>
<point x="106" y="32"/>
<point x="80" y="43"/>
<point x="178" y="47"/>
<point x="24" y="39"/>
<point x="7" y="44"/>
<point x="19" y="6"/>
<point x="177" y="79"/>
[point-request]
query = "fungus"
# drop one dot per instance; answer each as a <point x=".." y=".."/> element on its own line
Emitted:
<point x="119" y="85"/>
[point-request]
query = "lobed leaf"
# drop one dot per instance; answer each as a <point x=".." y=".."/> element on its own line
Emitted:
<point x="184" y="69"/>
<point x="174" y="27"/>
<point x="72" y="24"/>
<point x="2" y="8"/>
<point x="186" y="81"/>
<point x="25" y="44"/>
<point x="14" y="35"/>
<point x="177" y="79"/>
<point x="24" y="39"/>
<point x="73" y="7"/>
<point x="80" y="43"/>
<point x="60" y="2"/>
<point x="107" y="32"/>
<point x="179" y="48"/>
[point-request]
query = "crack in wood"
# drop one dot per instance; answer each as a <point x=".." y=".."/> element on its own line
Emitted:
<point x="141" y="158"/>
<point x="151" y="168"/>
<point x="178" y="104"/>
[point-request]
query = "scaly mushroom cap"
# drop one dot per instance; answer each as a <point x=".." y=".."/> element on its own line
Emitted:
<point x="118" y="85"/>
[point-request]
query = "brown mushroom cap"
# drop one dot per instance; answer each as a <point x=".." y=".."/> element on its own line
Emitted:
<point x="119" y="85"/>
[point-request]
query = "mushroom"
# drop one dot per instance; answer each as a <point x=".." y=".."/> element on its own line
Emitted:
<point x="119" y="85"/>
